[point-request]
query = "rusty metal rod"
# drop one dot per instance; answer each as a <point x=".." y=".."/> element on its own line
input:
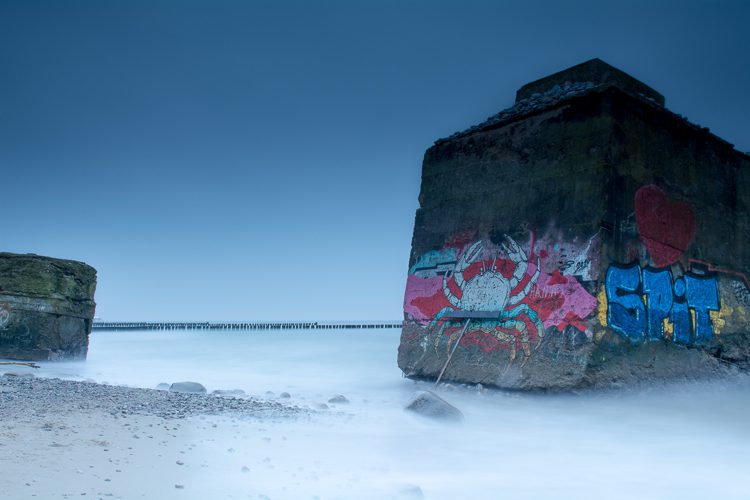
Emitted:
<point x="458" y="341"/>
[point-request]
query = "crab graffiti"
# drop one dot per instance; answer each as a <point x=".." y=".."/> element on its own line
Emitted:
<point x="512" y="297"/>
<point x="489" y="291"/>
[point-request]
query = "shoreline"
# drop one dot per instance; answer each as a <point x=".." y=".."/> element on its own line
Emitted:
<point x="76" y="439"/>
<point x="24" y="393"/>
<point x="62" y="442"/>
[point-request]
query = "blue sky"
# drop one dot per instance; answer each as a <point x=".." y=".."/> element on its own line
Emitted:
<point x="261" y="160"/>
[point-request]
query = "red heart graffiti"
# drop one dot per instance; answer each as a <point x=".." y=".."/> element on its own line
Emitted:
<point x="666" y="226"/>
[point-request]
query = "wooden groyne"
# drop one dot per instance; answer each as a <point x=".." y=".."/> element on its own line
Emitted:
<point x="242" y="325"/>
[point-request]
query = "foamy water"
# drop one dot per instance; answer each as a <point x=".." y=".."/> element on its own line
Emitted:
<point x="687" y="440"/>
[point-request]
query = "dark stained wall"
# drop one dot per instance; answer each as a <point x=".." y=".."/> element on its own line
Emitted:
<point x="575" y="238"/>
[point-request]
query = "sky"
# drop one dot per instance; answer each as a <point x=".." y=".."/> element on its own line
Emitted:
<point x="259" y="160"/>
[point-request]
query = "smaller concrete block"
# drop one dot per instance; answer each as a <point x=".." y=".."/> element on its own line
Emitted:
<point x="46" y="307"/>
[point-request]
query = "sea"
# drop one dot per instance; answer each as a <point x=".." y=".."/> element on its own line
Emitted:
<point x="680" y="440"/>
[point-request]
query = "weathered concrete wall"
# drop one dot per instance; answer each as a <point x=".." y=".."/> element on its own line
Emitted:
<point x="46" y="307"/>
<point x="604" y="232"/>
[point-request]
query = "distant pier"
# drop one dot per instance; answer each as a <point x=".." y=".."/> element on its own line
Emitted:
<point x="243" y="325"/>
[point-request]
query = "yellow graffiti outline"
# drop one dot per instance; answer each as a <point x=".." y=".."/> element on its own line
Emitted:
<point x="601" y="313"/>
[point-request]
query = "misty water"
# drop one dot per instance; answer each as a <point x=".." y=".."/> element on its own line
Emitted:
<point x="679" y="440"/>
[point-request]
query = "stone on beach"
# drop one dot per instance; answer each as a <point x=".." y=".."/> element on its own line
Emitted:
<point x="410" y="491"/>
<point x="338" y="399"/>
<point x="188" y="387"/>
<point x="429" y="404"/>
<point x="228" y="392"/>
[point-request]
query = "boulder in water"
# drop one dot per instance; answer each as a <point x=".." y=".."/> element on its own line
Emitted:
<point x="429" y="404"/>
<point x="338" y="399"/>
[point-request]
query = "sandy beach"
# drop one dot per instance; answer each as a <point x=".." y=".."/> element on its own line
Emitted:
<point x="68" y="439"/>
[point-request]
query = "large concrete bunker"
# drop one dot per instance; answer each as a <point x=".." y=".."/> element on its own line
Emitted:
<point x="585" y="236"/>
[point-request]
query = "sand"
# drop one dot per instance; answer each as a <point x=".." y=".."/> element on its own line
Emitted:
<point x="67" y="439"/>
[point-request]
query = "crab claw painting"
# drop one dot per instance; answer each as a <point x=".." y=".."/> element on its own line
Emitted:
<point x="508" y="297"/>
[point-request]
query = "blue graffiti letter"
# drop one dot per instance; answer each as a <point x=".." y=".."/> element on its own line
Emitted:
<point x="680" y="315"/>
<point x="702" y="295"/>
<point x="657" y="287"/>
<point x="626" y="313"/>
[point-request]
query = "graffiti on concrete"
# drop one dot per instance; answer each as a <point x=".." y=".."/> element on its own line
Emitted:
<point x="666" y="226"/>
<point x="647" y="304"/>
<point x="488" y="290"/>
<point x="19" y="333"/>
<point x="571" y="259"/>
<point x="528" y="291"/>
<point x="738" y="280"/>
<point x="741" y="293"/>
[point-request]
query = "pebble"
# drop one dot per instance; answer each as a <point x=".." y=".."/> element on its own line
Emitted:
<point x="228" y="392"/>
